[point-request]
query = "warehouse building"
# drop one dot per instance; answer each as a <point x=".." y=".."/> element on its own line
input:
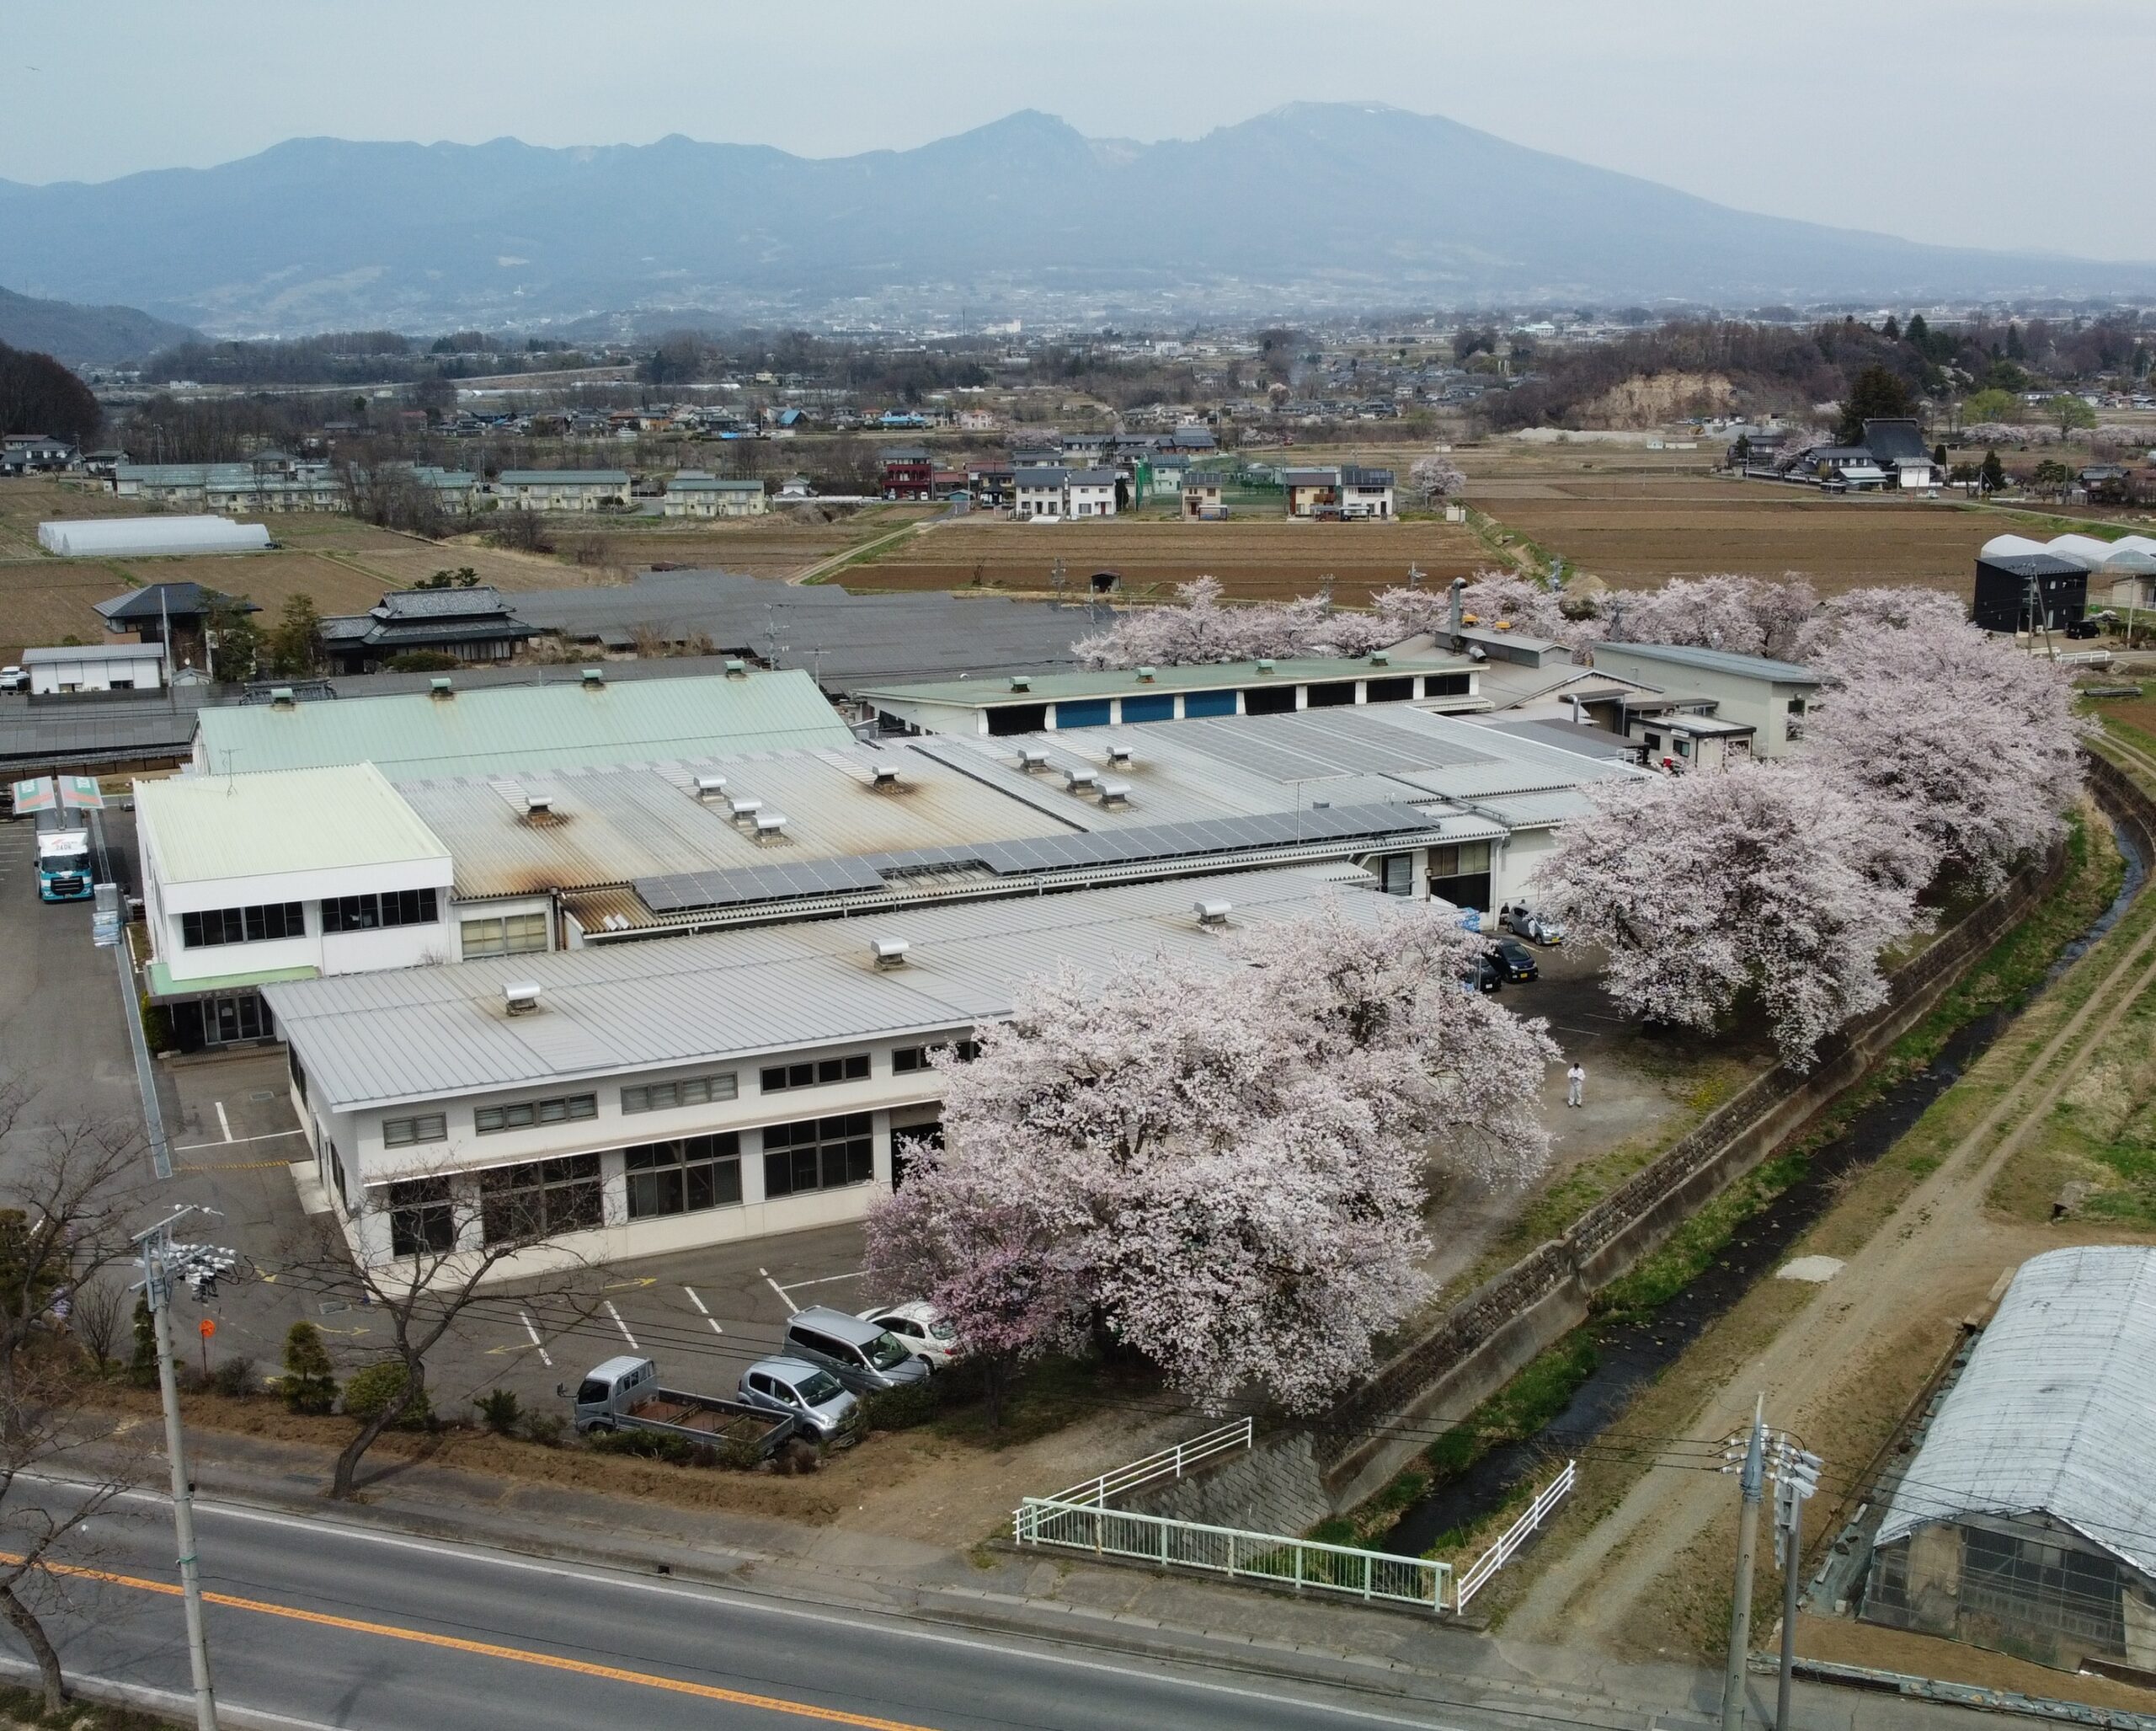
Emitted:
<point x="1756" y="692"/>
<point x="651" y="1098"/>
<point x="2026" y="1522"/>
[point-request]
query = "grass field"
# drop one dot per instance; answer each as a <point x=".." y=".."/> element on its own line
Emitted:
<point x="1266" y="559"/>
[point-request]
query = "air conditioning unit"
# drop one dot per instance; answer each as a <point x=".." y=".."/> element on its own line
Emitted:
<point x="710" y="787"/>
<point x="1212" y="911"/>
<point x="888" y="951"/>
<point x="521" y="996"/>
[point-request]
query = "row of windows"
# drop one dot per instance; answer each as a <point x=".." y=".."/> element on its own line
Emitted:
<point x="243" y="925"/>
<point x="372" y="912"/>
<point x="688" y="1175"/>
<point x="906" y="1060"/>
<point x="523" y="1114"/>
<point x="820" y="1073"/>
<point x="503" y="935"/>
<point x="686" y="1090"/>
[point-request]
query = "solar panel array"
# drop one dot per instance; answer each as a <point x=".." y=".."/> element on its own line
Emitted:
<point x="738" y="885"/>
<point x="1036" y="854"/>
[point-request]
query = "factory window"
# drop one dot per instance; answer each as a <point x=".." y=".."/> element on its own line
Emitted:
<point x="818" y="1154"/>
<point x="685" y="1176"/>
<point x="524" y="1114"/>
<point x="422" y="1218"/>
<point x="503" y="935"/>
<point x="683" y="1091"/>
<point x="366" y="913"/>
<point x="540" y="1198"/>
<point x="821" y="1073"/>
<point x="243" y="925"/>
<point x="424" y="1127"/>
<point x="906" y="1060"/>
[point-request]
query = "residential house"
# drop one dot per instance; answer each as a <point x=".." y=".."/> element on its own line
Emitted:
<point x="471" y="624"/>
<point x="909" y="472"/>
<point x="174" y="615"/>
<point x="1204" y="495"/>
<point x="266" y="484"/>
<point x="1037" y="494"/>
<point x="1091" y="492"/>
<point x="949" y="485"/>
<point x="993" y="485"/>
<point x="694" y="492"/>
<point x="1899" y="451"/>
<point x="35" y="453"/>
<point x="1365" y="492"/>
<point x="1312" y="492"/>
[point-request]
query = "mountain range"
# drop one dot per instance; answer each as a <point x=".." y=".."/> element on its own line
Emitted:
<point x="84" y="336"/>
<point x="1312" y="206"/>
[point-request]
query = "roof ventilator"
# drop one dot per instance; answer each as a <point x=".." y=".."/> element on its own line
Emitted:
<point x="770" y="823"/>
<point x="1077" y="780"/>
<point x="741" y="806"/>
<point x="283" y="697"/>
<point x="1379" y="658"/>
<point x="736" y="669"/>
<point x="1119" y="756"/>
<point x="440" y="690"/>
<point x="1033" y="757"/>
<point x="1115" y="792"/>
<point x="1265" y="663"/>
<point x="594" y="677"/>
<point x="538" y="804"/>
<point x="1212" y="911"/>
<point x="886" y="774"/>
<point x="710" y="787"/>
<point x="521" y="996"/>
<point x="1146" y="676"/>
<point x="1021" y="683"/>
<point x="888" y="951"/>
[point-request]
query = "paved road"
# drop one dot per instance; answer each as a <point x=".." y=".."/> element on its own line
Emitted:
<point x="326" y="1625"/>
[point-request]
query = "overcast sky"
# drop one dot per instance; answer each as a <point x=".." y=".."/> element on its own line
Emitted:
<point x="1944" y="124"/>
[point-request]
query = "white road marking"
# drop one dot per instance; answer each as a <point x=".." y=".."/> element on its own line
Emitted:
<point x="825" y="1281"/>
<point x="622" y="1326"/>
<point x="702" y="1311"/>
<point x="224" y="1123"/>
<point x="737" y="1598"/>
<point x="536" y="1343"/>
<point x="268" y="1135"/>
<point x="791" y="1308"/>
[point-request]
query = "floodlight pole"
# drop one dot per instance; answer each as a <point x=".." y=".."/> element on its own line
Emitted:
<point x="1792" y="1525"/>
<point x="157" y="1248"/>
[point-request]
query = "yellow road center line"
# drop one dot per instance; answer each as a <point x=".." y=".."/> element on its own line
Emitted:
<point x="487" y="1649"/>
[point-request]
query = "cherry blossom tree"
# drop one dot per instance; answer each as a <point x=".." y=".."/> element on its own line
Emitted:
<point x="1870" y="610"/>
<point x="1224" y="1167"/>
<point x="1743" y="615"/>
<point x="1763" y="877"/>
<point x="1972" y="741"/>
<point x="1436" y="476"/>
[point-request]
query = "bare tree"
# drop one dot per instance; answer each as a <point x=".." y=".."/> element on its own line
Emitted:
<point x="62" y="1223"/>
<point x="429" y="1244"/>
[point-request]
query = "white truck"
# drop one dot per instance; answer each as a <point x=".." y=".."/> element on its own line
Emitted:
<point x="623" y="1394"/>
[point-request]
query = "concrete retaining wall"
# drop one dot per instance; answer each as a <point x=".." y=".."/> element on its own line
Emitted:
<point x="1486" y="1340"/>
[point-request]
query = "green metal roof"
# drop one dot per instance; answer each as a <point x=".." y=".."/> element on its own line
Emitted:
<point x="1124" y="682"/>
<point x="558" y="725"/>
<point x="163" y="986"/>
<point x="207" y="828"/>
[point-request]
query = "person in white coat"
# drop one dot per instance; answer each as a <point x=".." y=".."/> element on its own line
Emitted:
<point x="1575" y="1085"/>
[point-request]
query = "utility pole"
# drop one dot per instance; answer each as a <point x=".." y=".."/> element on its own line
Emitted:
<point x="1752" y="1481"/>
<point x="160" y="1259"/>
<point x="1797" y="1476"/>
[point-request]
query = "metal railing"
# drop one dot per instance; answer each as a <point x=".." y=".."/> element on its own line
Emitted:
<point x="1227" y="1551"/>
<point x="1168" y="1463"/>
<point x="1515" y="1535"/>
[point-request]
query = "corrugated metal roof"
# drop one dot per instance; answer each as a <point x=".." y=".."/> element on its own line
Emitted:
<point x="611" y="824"/>
<point x="1713" y="661"/>
<point x="205" y="828"/>
<point x="422" y="1034"/>
<point x="1054" y="688"/>
<point x="1536" y="811"/>
<point x="510" y="728"/>
<point x="2054" y="1411"/>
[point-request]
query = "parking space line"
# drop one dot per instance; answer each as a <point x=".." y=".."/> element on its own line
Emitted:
<point x="537" y="1345"/>
<point x="622" y="1326"/>
<point x="791" y="1308"/>
<point x="269" y="1135"/>
<point x="224" y="1123"/>
<point x="702" y="1311"/>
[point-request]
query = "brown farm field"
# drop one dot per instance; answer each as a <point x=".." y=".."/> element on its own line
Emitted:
<point x="1267" y="559"/>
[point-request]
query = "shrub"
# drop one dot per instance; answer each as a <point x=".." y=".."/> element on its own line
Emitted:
<point x="156" y="1025"/>
<point x="309" y="1384"/>
<point x="544" y="1428"/>
<point x="649" y="1445"/>
<point x="377" y="1388"/>
<point x="142" y="1366"/>
<point x="234" y="1377"/>
<point x="902" y="1409"/>
<point x="499" y="1410"/>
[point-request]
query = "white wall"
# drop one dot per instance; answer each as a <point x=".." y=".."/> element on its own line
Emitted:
<point x="143" y="673"/>
<point x="327" y="953"/>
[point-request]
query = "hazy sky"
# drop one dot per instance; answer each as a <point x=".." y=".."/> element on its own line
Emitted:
<point x="1947" y="123"/>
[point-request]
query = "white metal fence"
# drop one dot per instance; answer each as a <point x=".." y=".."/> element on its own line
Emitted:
<point x="1168" y="1463"/>
<point x="1227" y="1551"/>
<point x="1515" y="1535"/>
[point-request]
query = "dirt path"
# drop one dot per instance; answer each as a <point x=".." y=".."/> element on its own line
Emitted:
<point x="1937" y="1249"/>
<point x="862" y="553"/>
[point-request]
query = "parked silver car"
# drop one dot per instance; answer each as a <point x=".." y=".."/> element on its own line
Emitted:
<point x="1523" y="921"/>
<point x="866" y="1357"/>
<point x="808" y="1394"/>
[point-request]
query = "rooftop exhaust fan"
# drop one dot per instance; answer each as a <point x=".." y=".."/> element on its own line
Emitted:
<point x="888" y="951"/>
<point x="594" y="677"/>
<point x="1033" y="757"/>
<point x="736" y="670"/>
<point x="439" y="689"/>
<point x="1115" y="792"/>
<point x="744" y="807"/>
<point x="283" y="697"/>
<point x="1019" y="682"/>
<point x="886" y="774"/>
<point x="521" y="996"/>
<point x="770" y="823"/>
<point x="1146" y="674"/>
<point x="1212" y="911"/>
<point x="1379" y="658"/>
<point x="539" y="805"/>
<point x="710" y="787"/>
<point x="1077" y="779"/>
<point x="1119" y="755"/>
<point x="1265" y="663"/>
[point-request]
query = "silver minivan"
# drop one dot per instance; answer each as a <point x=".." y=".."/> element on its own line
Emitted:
<point x="866" y="1359"/>
<point x="807" y="1393"/>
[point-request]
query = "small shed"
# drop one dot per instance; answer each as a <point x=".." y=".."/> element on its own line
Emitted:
<point x="95" y="667"/>
<point x="2027" y="1521"/>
